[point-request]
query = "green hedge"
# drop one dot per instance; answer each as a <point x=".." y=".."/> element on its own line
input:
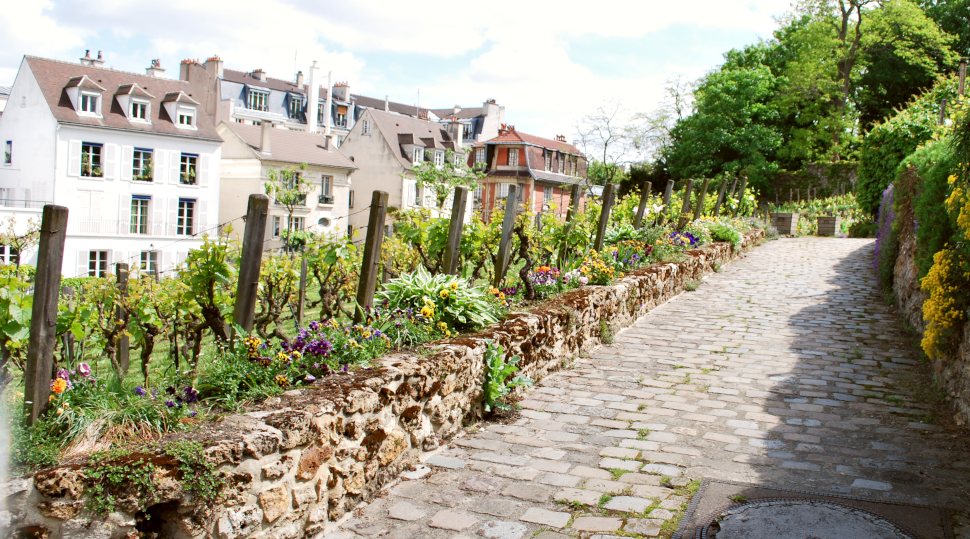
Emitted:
<point x="933" y="163"/>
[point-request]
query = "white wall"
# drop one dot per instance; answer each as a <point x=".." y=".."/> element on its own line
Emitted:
<point x="30" y="125"/>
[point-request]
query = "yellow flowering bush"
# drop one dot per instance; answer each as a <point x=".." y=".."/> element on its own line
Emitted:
<point x="597" y="270"/>
<point x="945" y="310"/>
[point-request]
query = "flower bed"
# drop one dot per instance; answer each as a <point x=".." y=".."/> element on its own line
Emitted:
<point x="296" y="462"/>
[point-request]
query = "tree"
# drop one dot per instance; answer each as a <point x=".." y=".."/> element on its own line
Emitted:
<point x="606" y="138"/>
<point x="443" y="178"/>
<point x="953" y="17"/>
<point x="289" y="189"/>
<point x="20" y="242"/>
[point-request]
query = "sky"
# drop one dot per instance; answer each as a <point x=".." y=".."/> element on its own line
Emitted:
<point x="548" y="63"/>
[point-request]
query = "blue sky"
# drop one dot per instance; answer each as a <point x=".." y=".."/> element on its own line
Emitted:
<point x="548" y="63"/>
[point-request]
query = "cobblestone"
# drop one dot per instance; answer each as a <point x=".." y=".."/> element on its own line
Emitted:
<point x="784" y="369"/>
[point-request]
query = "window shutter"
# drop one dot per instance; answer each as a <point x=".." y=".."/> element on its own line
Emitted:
<point x="74" y="158"/>
<point x="124" y="214"/>
<point x="173" y="212"/>
<point x="159" y="164"/>
<point x="111" y="161"/>
<point x="127" y="156"/>
<point x="156" y="225"/>
<point x="175" y="161"/>
<point x="202" y="218"/>
<point x="82" y="263"/>
<point x="203" y="171"/>
<point x="166" y="261"/>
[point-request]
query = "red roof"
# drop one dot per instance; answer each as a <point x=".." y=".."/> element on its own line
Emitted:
<point x="513" y="136"/>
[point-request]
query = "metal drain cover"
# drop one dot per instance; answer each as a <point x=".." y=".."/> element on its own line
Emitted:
<point x="799" y="519"/>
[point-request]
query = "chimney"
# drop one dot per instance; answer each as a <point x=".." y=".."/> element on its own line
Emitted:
<point x="264" y="137"/>
<point x="155" y="69"/>
<point x="456" y="110"/>
<point x="561" y="138"/>
<point x="299" y="79"/>
<point x="454" y="129"/>
<point x="213" y="65"/>
<point x="328" y="109"/>
<point x="259" y="74"/>
<point x="341" y="91"/>
<point x="99" y="60"/>
<point x="313" y="97"/>
<point x="387" y="104"/>
<point x="86" y="60"/>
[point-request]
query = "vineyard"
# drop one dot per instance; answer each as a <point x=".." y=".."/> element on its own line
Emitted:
<point x="188" y="360"/>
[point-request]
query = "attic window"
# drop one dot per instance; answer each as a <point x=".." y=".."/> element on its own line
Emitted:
<point x="439" y="158"/>
<point x="90" y="103"/>
<point x="296" y="107"/>
<point x="138" y="110"/>
<point x="186" y="117"/>
<point x="480" y="155"/>
<point x="258" y="100"/>
<point x="417" y="155"/>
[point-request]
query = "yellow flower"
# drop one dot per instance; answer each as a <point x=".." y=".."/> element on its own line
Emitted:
<point x="442" y="326"/>
<point x="454" y="285"/>
<point x="365" y="334"/>
<point x="59" y="386"/>
<point x="501" y="295"/>
<point x="427" y="311"/>
<point x="444" y="293"/>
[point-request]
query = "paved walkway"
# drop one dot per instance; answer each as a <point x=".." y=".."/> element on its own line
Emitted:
<point x="785" y="369"/>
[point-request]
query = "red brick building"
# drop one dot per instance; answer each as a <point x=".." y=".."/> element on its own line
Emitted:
<point x="543" y="169"/>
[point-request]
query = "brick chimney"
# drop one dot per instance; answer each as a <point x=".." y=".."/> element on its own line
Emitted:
<point x="155" y="69"/>
<point x="86" y="60"/>
<point x="299" y="79"/>
<point x="259" y="74"/>
<point x="264" y="138"/>
<point x="341" y="91"/>
<point x="214" y="66"/>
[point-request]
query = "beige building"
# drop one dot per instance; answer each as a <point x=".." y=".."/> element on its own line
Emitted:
<point x="249" y="153"/>
<point x="385" y="147"/>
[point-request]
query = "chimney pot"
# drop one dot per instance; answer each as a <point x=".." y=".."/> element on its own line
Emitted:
<point x="264" y="137"/>
<point x="299" y="79"/>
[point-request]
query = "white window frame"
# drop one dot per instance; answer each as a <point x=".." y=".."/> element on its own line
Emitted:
<point x="141" y="158"/>
<point x="8" y="255"/>
<point x="185" y="217"/>
<point x="295" y="222"/>
<point x="257" y="100"/>
<point x="439" y="158"/>
<point x="458" y="156"/>
<point x="341" y="120"/>
<point x="185" y="117"/>
<point x="277" y="224"/>
<point x="350" y="199"/>
<point x="321" y="112"/>
<point x="326" y="188"/>
<point x="141" y="209"/>
<point x="189" y="169"/>
<point x="365" y="129"/>
<point x="148" y="261"/>
<point x="295" y="110"/>
<point x="91" y="155"/>
<point x="139" y="105"/>
<point x="513" y="157"/>
<point x="98" y="263"/>
<point x="89" y="103"/>
<point x="547" y="194"/>
<point x="479" y="155"/>
<point x="8" y="152"/>
<point x="503" y="191"/>
<point x="562" y="163"/>
<point x="417" y="155"/>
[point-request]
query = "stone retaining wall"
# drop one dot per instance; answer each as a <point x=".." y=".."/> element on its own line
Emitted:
<point x="952" y="373"/>
<point x="298" y="462"/>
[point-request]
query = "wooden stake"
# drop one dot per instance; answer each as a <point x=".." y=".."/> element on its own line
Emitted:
<point x="609" y="196"/>
<point x="372" y="255"/>
<point x="301" y="292"/>
<point x="963" y="77"/>
<point x="645" y="189"/>
<point x="720" y="198"/>
<point x="699" y="209"/>
<point x="740" y="206"/>
<point x="685" y="208"/>
<point x="249" y="265"/>
<point x="43" y="319"/>
<point x="504" y="246"/>
<point x="574" y="196"/>
<point x="668" y="193"/>
<point x="123" y="352"/>
<point x="453" y="248"/>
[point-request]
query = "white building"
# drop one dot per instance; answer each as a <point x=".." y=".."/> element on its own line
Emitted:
<point x="133" y="158"/>
<point x="385" y="147"/>
<point x="250" y="153"/>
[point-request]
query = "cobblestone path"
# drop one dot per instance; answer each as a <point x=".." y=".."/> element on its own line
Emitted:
<point x="785" y="369"/>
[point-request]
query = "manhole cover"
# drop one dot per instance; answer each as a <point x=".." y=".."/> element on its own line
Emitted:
<point x="799" y="519"/>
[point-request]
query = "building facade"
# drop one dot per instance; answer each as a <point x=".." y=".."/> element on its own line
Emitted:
<point x="133" y="158"/>
<point x="386" y="147"/>
<point x="543" y="171"/>
<point x="251" y="153"/>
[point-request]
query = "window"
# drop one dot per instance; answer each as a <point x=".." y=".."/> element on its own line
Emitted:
<point x="258" y="100"/>
<point x="97" y="263"/>
<point x="418" y="155"/>
<point x="547" y="154"/>
<point x="91" y="163"/>
<point x="439" y="158"/>
<point x="277" y="222"/>
<point x="365" y="129"/>
<point x="138" y="110"/>
<point x="296" y="107"/>
<point x="326" y="189"/>
<point x="90" y="103"/>
<point x="513" y="157"/>
<point x="149" y="261"/>
<point x="185" y="219"/>
<point x="141" y="165"/>
<point x="503" y="190"/>
<point x="139" y="214"/>
<point x="8" y="152"/>
<point x="562" y="159"/>
<point x="350" y="199"/>
<point x="458" y="157"/>
<point x="186" y="117"/>
<point x="295" y="223"/>
<point x="9" y="255"/>
<point x="340" y="140"/>
<point x="480" y="155"/>
<point x="188" y="168"/>
<point x="341" y="119"/>
<point x="321" y="113"/>
<point x="323" y="221"/>
<point x="547" y="193"/>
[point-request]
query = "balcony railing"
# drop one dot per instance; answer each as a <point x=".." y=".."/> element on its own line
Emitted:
<point x="119" y="228"/>
<point x="23" y="203"/>
<point x="300" y="201"/>
<point x="326" y="199"/>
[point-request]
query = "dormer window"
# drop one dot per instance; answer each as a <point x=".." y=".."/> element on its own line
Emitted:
<point x="321" y="112"/>
<point x="296" y="107"/>
<point x="480" y="155"/>
<point x="186" y="117"/>
<point x="439" y="158"/>
<point x="513" y="157"/>
<point x="138" y="111"/>
<point x="418" y="155"/>
<point x="90" y="103"/>
<point x="258" y="100"/>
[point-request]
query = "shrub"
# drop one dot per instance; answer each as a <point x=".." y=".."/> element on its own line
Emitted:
<point x="499" y="377"/>
<point x="934" y="163"/>
<point x="442" y="298"/>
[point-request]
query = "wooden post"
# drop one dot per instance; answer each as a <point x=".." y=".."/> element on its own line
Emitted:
<point x="962" y="87"/>
<point x="504" y="246"/>
<point x="644" y="198"/>
<point x="67" y="339"/>
<point x="942" y="112"/>
<point x="123" y="352"/>
<point x="744" y="184"/>
<point x="453" y="248"/>
<point x="571" y="213"/>
<point x="699" y="209"/>
<point x="685" y="208"/>
<point x="734" y="186"/>
<point x="372" y="254"/>
<point x="43" y="314"/>
<point x="252" y="254"/>
<point x="301" y="292"/>
<point x="720" y="198"/>
<point x="609" y="196"/>
<point x="668" y="193"/>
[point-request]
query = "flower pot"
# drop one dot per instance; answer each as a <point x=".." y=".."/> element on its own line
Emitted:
<point x="786" y="223"/>
<point x="829" y="225"/>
